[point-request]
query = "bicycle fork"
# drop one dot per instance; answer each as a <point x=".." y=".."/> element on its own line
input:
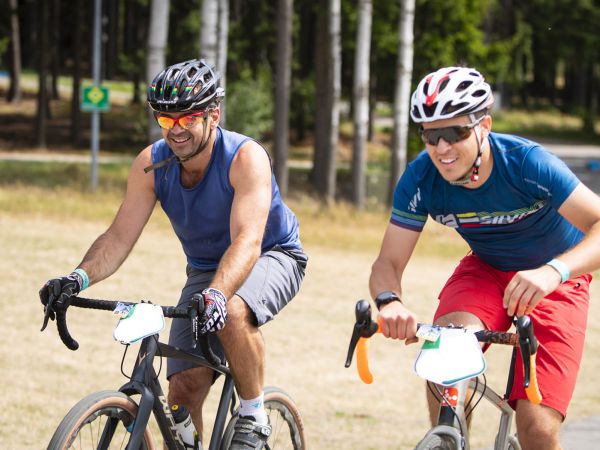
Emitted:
<point x="452" y="420"/>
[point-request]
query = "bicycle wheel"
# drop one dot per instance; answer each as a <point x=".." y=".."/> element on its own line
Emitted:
<point x="85" y="423"/>
<point x="436" y="442"/>
<point x="284" y="417"/>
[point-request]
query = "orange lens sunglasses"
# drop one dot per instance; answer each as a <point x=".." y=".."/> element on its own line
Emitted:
<point x="186" y="122"/>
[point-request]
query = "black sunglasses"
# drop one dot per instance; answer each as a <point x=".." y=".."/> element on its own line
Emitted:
<point x="451" y="135"/>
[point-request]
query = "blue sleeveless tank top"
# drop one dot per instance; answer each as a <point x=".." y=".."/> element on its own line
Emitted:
<point x="200" y="215"/>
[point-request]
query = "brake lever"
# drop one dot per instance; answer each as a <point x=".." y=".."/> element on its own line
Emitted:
<point x="353" y="341"/>
<point x="528" y="345"/>
<point x="48" y="310"/>
<point x="364" y="327"/>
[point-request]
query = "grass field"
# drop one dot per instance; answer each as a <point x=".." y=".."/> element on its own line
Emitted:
<point x="46" y="231"/>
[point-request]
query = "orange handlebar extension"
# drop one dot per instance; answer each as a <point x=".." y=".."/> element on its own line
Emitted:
<point x="362" y="359"/>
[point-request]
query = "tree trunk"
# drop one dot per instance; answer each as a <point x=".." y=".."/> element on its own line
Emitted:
<point x="55" y="47"/>
<point x="591" y="101"/>
<point x="402" y="92"/>
<point x="361" y="101"/>
<point x="222" y="51"/>
<point x="157" y="41"/>
<point x="14" y="90"/>
<point x="335" y="55"/>
<point x="372" y="103"/>
<point x="42" y="101"/>
<point x="113" y="38"/>
<point x="285" y="10"/>
<point x="75" y="96"/>
<point x="209" y="31"/>
<point x="322" y="106"/>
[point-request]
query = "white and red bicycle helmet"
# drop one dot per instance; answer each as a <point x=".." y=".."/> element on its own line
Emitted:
<point x="450" y="92"/>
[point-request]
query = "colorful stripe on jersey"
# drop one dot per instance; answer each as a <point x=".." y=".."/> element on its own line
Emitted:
<point x="407" y="220"/>
<point x="484" y="218"/>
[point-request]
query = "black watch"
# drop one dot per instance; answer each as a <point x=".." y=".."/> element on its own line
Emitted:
<point x="386" y="297"/>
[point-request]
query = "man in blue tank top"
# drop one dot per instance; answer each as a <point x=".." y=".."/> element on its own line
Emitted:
<point x="245" y="260"/>
<point x="533" y="230"/>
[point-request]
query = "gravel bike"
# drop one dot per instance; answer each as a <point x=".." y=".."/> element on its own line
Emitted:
<point x="458" y="348"/>
<point x="114" y="419"/>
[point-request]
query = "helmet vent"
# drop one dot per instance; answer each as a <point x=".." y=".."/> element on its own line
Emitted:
<point x="449" y="108"/>
<point x="479" y="93"/>
<point x="462" y="86"/>
<point x="416" y="113"/>
<point x="429" y="110"/>
<point x="443" y="85"/>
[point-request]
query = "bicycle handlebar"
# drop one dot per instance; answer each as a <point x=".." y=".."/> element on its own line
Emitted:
<point x="191" y="311"/>
<point x="365" y="328"/>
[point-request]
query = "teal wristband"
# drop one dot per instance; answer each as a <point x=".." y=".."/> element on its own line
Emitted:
<point x="561" y="268"/>
<point x="84" y="277"/>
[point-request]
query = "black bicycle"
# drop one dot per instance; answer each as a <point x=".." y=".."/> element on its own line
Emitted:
<point x="113" y="419"/>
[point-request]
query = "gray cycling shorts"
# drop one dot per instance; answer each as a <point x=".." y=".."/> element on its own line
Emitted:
<point x="273" y="282"/>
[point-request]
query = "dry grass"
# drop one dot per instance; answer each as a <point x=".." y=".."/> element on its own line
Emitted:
<point x="306" y="344"/>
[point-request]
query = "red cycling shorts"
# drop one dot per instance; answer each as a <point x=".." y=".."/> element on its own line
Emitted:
<point x="559" y="323"/>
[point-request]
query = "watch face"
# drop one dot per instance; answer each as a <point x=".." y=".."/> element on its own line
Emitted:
<point x="387" y="296"/>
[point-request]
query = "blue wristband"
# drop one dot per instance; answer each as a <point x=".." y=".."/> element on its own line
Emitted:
<point x="84" y="277"/>
<point x="561" y="268"/>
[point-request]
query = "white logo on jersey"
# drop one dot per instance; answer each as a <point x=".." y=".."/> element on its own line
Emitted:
<point x="412" y="205"/>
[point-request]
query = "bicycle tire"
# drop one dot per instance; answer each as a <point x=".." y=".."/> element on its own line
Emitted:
<point x="93" y="412"/>
<point x="435" y="442"/>
<point x="285" y="419"/>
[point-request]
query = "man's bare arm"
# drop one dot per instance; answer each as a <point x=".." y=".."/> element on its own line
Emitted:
<point x="250" y="176"/>
<point x="112" y="247"/>
<point x="396" y="250"/>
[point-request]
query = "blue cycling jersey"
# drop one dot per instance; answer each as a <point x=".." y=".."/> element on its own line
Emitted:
<point x="512" y="220"/>
<point x="200" y="215"/>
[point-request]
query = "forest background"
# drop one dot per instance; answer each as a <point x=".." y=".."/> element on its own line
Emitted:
<point x="324" y="82"/>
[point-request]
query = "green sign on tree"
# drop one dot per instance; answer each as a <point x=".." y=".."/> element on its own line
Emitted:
<point x="95" y="98"/>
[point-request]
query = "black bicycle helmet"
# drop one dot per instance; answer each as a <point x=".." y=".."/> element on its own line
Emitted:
<point x="189" y="85"/>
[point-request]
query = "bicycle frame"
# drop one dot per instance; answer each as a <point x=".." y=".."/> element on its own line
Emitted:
<point x="452" y="419"/>
<point x="144" y="382"/>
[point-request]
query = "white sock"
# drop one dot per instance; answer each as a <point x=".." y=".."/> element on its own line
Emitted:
<point x="254" y="407"/>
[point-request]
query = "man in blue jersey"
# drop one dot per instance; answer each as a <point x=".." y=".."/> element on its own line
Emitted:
<point x="533" y="229"/>
<point x="244" y="256"/>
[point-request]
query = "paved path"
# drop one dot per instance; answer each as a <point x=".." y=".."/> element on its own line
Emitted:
<point x="584" y="160"/>
<point x="583" y="434"/>
<point x="61" y="157"/>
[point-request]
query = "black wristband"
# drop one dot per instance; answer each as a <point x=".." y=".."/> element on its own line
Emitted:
<point x="386" y="297"/>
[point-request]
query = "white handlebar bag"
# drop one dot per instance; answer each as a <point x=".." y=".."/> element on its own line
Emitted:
<point x="137" y="322"/>
<point x="454" y="356"/>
